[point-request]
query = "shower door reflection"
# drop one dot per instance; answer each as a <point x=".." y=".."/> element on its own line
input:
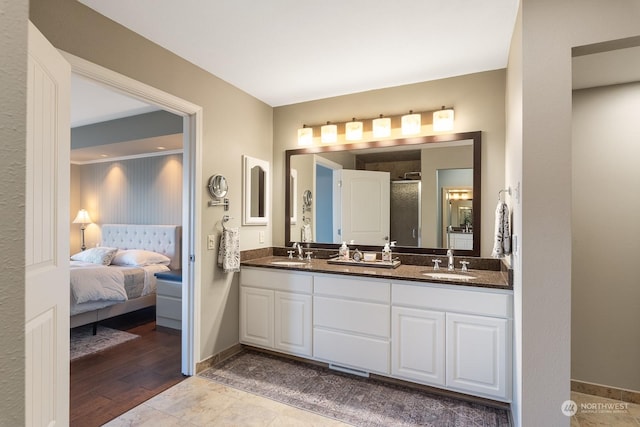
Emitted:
<point x="405" y="212"/>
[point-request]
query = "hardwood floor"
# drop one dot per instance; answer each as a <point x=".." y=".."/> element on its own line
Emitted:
<point x="108" y="384"/>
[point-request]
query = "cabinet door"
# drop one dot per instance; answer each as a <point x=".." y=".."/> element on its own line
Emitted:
<point x="477" y="359"/>
<point x="418" y="345"/>
<point x="293" y="323"/>
<point x="256" y="316"/>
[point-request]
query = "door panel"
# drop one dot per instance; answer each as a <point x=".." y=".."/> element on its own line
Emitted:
<point x="365" y="206"/>
<point x="47" y="235"/>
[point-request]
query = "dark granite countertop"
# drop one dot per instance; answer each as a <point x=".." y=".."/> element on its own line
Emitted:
<point x="481" y="278"/>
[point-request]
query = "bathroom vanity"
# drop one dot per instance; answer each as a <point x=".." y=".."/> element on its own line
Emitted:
<point x="454" y="334"/>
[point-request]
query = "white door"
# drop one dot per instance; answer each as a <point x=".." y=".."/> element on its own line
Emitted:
<point x="418" y="345"/>
<point x="477" y="359"/>
<point x="47" y="235"/>
<point x="293" y="323"/>
<point x="256" y="316"/>
<point x="365" y="206"/>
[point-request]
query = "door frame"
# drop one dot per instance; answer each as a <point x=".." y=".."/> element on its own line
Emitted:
<point x="192" y="173"/>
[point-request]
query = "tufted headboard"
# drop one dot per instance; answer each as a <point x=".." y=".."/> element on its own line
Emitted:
<point x="164" y="239"/>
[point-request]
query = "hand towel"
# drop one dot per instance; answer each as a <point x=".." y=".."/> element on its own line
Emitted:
<point x="306" y="233"/>
<point x="502" y="240"/>
<point x="229" y="250"/>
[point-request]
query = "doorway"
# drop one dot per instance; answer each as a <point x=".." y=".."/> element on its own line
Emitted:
<point x="192" y="136"/>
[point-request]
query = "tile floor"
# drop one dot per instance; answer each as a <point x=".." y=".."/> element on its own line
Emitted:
<point x="199" y="402"/>
<point x="599" y="411"/>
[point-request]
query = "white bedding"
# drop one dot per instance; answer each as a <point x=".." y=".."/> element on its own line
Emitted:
<point x="96" y="286"/>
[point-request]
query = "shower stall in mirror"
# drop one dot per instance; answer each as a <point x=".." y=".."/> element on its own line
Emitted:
<point x="406" y="199"/>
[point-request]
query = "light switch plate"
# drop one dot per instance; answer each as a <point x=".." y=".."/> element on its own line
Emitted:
<point x="261" y="236"/>
<point x="211" y="242"/>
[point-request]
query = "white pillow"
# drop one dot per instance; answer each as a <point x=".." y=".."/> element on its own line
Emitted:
<point x="100" y="255"/>
<point x="139" y="258"/>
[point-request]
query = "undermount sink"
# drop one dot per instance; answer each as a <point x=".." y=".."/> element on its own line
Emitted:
<point x="451" y="276"/>
<point x="289" y="263"/>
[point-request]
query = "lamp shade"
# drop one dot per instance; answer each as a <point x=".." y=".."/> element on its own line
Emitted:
<point x="381" y="127"/>
<point x="411" y="123"/>
<point x="353" y="130"/>
<point x="82" y="217"/>
<point x="443" y="119"/>
<point x="329" y="133"/>
<point x="305" y="136"/>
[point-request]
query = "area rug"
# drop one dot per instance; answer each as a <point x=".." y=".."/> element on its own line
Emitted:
<point x="354" y="400"/>
<point x="83" y="342"/>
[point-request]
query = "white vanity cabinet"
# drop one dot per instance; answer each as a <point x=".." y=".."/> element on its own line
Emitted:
<point x="457" y="338"/>
<point x="449" y="336"/>
<point x="276" y="310"/>
<point x="351" y="323"/>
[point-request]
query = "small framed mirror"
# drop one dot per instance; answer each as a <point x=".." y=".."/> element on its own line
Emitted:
<point x="217" y="186"/>
<point x="256" y="191"/>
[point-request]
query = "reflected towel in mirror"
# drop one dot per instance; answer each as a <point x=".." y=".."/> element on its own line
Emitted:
<point x="502" y="239"/>
<point x="306" y="232"/>
<point x="229" y="250"/>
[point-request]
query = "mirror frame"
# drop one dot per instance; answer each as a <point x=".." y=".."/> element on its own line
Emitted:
<point x="247" y="218"/>
<point x="475" y="136"/>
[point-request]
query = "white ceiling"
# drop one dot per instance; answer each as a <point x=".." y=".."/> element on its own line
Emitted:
<point x="94" y="103"/>
<point x="287" y="51"/>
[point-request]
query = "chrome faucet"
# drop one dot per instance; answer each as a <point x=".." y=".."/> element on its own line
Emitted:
<point x="450" y="256"/>
<point x="298" y="247"/>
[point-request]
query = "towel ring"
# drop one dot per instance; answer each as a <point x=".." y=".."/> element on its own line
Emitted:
<point x="506" y="190"/>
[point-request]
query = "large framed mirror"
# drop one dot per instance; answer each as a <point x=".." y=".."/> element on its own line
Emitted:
<point x="423" y="193"/>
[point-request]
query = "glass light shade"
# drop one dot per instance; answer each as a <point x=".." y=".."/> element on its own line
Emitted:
<point x="381" y="127"/>
<point x="443" y="120"/>
<point x="82" y="217"/>
<point x="329" y="133"/>
<point x="305" y="136"/>
<point x="411" y="124"/>
<point x="353" y="130"/>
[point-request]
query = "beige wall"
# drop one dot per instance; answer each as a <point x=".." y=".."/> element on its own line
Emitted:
<point x="478" y="100"/>
<point x="13" y="57"/>
<point x="74" y="28"/>
<point x="75" y="204"/>
<point x="605" y="348"/>
<point x="538" y="154"/>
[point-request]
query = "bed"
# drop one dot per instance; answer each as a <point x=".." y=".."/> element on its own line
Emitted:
<point x="107" y="283"/>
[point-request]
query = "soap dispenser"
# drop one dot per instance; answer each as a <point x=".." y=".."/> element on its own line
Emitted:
<point x="343" y="253"/>
<point x="386" y="253"/>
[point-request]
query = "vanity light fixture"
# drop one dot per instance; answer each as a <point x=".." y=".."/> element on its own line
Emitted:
<point x="353" y="130"/>
<point x="411" y="123"/>
<point x="443" y="119"/>
<point x="83" y="219"/>
<point x="381" y="127"/>
<point x="305" y="136"/>
<point x="329" y="133"/>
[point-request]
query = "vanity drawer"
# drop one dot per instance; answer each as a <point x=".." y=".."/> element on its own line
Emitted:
<point x="277" y="280"/>
<point x="364" y="353"/>
<point x="361" y="289"/>
<point x="352" y="316"/>
<point x="482" y="302"/>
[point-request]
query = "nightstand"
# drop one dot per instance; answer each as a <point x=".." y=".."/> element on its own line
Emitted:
<point x="169" y="299"/>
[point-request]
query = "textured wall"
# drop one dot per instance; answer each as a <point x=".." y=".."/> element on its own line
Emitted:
<point x="605" y="348"/>
<point x="13" y="76"/>
<point x="135" y="191"/>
